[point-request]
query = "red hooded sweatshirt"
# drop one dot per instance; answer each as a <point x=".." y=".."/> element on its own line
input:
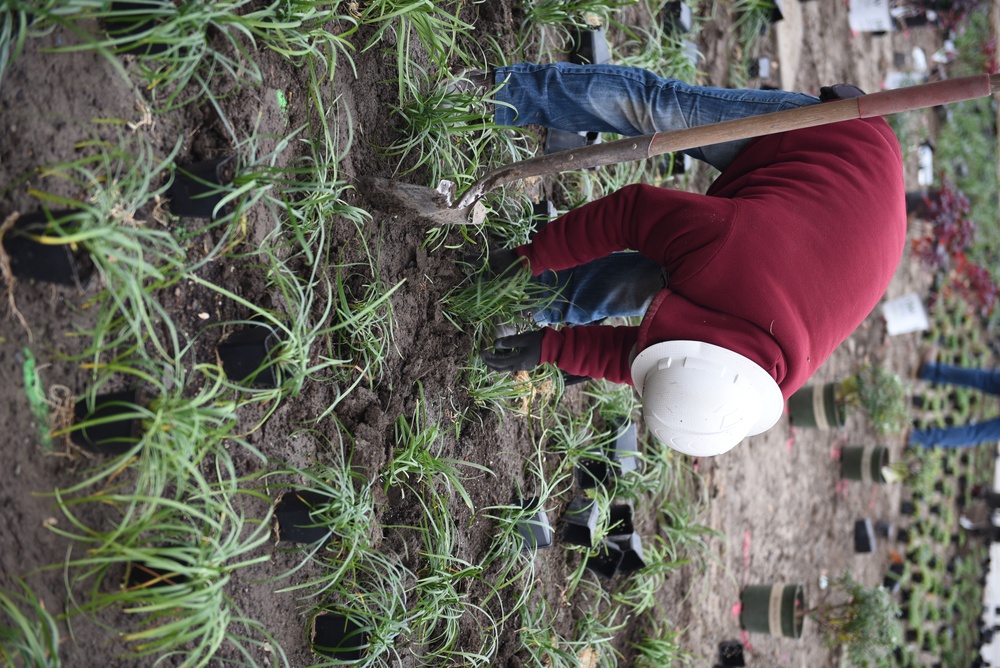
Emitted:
<point x="788" y="252"/>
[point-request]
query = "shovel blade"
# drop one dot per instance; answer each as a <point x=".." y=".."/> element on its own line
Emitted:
<point x="394" y="197"/>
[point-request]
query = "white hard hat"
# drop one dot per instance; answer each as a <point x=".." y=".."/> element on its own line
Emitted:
<point x="701" y="399"/>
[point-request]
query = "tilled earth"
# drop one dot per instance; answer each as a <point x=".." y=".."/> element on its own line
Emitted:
<point x="775" y="500"/>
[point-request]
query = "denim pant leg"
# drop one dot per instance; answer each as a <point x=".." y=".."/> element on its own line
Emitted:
<point x="629" y="101"/>
<point x="619" y="285"/>
<point x="957" y="437"/>
<point x="985" y="380"/>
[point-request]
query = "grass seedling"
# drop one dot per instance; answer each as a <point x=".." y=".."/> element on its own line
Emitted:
<point x="443" y="604"/>
<point x="417" y="458"/>
<point x="29" y="635"/>
<point x="661" y="648"/>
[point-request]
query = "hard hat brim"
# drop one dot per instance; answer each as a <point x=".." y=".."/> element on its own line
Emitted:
<point x="771" y="401"/>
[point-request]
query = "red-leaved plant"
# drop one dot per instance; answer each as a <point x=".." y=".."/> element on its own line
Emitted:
<point x="943" y="248"/>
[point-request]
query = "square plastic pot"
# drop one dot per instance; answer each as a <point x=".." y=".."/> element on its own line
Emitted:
<point x="295" y="520"/>
<point x="196" y="190"/>
<point x="731" y="654"/>
<point x="864" y="537"/>
<point x="535" y="530"/>
<point x="580" y="522"/>
<point x="591" y="473"/>
<point x="339" y="637"/>
<point x="50" y="263"/>
<point x="590" y="46"/>
<point x="675" y="17"/>
<point x="632" y="558"/>
<point x="620" y="521"/>
<point x="113" y="426"/>
<point x="246" y="356"/>
<point x="606" y="560"/>
<point x="142" y="576"/>
<point x="624" y="449"/>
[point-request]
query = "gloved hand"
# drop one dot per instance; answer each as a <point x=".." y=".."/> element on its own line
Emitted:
<point x="841" y="91"/>
<point x="519" y="352"/>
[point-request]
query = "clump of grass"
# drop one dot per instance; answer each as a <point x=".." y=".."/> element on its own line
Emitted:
<point x="187" y="548"/>
<point x="417" y="458"/>
<point x="373" y="591"/>
<point x="436" y="25"/>
<point x="29" y="635"/>
<point x="661" y="647"/>
<point x="348" y="512"/>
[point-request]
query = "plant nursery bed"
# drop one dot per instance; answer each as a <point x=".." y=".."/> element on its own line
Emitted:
<point x="379" y="399"/>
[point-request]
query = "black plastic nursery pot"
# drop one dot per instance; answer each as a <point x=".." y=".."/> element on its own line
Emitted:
<point x="591" y="473"/>
<point x="339" y="637"/>
<point x="675" y="164"/>
<point x="196" y="190"/>
<point x="632" y="558"/>
<point x="33" y="259"/>
<point x="864" y="537"/>
<point x="620" y="458"/>
<point x="606" y="560"/>
<point x="731" y="654"/>
<point x="247" y="356"/>
<point x="590" y="46"/>
<point x="864" y="463"/>
<point x="294" y="518"/>
<point x="774" y="609"/>
<point x="893" y="579"/>
<point x="143" y="576"/>
<point x="816" y="407"/>
<point x="580" y="522"/>
<point x="135" y="18"/>
<point x="535" y="531"/>
<point x="620" y="521"/>
<point x="624" y="449"/>
<point x="675" y="17"/>
<point x="114" y="425"/>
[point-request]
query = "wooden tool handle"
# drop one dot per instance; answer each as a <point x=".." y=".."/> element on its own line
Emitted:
<point x="645" y="146"/>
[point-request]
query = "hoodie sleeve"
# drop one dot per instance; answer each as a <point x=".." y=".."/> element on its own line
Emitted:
<point x="664" y="225"/>
<point x="597" y="351"/>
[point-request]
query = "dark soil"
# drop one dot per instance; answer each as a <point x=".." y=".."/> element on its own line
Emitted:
<point x="775" y="500"/>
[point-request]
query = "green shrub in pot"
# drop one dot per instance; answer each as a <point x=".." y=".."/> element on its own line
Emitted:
<point x="862" y="619"/>
<point x="881" y="394"/>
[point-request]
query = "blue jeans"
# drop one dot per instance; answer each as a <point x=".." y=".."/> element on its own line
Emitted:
<point x="627" y="101"/>
<point x="985" y="380"/>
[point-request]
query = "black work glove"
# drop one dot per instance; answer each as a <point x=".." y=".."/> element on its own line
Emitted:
<point x="841" y="91"/>
<point x="519" y="352"/>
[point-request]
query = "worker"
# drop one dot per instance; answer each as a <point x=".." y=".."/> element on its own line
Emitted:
<point x="743" y="291"/>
